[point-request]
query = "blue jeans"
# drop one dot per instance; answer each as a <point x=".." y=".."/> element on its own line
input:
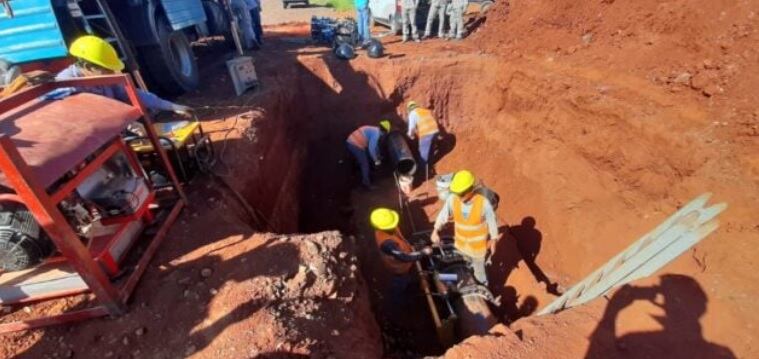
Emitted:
<point x="363" y="24"/>
<point x="363" y="162"/>
<point x="425" y="145"/>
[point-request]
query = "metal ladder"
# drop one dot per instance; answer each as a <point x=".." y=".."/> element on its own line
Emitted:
<point x="647" y="255"/>
<point x="103" y="22"/>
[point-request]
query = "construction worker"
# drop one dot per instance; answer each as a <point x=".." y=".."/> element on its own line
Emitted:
<point x="422" y="123"/>
<point x="457" y="8"/>
<point x="366" y="139"/>
<point x="408" y="19"/>
<point x="437" y="9"/>
<point x="96" y="57"/>
<point x="473" y="221"/>
<point x="397" y="255"/>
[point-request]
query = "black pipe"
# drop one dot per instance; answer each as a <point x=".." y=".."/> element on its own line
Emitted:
<point x="400" y="154"/>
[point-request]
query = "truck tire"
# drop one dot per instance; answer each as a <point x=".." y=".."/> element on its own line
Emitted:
<point x="22" y="243"/>
<point x="217" y="19"/>
<point x="171" y="64"/>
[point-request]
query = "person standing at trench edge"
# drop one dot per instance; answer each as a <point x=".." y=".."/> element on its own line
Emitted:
<point x="408" y="19"/>
<point x="422" y="123"/>
<point x="366" y="139"/>
<point x="473" y="220"/>
<point x="362" y="18"/>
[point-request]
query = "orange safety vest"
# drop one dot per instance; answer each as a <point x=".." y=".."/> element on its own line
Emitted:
<point x="426" y="124"/>
<point x="391" y="263"/>
<point x="358" y="138"/>
<point x="470" y="234"/>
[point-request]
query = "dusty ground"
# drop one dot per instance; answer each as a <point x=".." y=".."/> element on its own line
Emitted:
<point x="594" y="121"/>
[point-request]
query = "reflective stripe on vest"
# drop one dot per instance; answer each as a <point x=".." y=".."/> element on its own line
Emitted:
<point x="358" y="138"/>
<point x="471" y="233"/>
<point x="391" y="263"/>
<point x="426" y="124"/>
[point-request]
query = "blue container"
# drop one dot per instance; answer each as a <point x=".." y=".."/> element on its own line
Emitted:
<point x="32" y="34"/>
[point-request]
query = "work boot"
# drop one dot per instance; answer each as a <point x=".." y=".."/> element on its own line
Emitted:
<point x="425" y="36"/>
<point x="405" y="39"/>
<point x="416" y="39"/>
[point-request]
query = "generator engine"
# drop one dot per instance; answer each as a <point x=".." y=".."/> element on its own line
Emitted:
<point x="112" y="191"/>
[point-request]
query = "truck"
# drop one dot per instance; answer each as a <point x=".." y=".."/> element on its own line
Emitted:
<point x="153" y="37"/>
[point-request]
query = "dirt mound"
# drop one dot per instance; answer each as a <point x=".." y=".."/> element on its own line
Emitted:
<point x="217" y="290"/>
<point x="705" y="46"/>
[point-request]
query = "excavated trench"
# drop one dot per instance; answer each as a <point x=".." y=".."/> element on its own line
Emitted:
<point x="546" y="151"/>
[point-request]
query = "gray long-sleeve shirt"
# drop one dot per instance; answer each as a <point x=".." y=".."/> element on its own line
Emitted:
<point x="487" y="211"/>
<point x="149" y="100"/>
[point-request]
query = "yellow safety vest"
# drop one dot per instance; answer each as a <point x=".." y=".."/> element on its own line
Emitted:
<point x="391" y="263"/>
<point x="471" y="233"/>
<point x="426" y="124"/>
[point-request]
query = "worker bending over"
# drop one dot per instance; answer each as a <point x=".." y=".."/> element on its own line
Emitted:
<point x="366" y="139"/>
<point x="96" y="57"/>
<point x="397" y="255"/>
<point x="473" y="221"/>
<point x="408" y="19"/>
<point x="422" y="123"/>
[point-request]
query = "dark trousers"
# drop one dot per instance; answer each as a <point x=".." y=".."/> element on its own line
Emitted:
<point x="255" y="17"/>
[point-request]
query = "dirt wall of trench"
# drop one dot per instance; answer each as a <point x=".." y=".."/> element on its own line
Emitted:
<point x="585" y="161"/>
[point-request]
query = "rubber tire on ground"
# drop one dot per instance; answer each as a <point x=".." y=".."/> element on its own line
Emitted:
<point x="170" y="65"/>
<point x="485" y="7"/>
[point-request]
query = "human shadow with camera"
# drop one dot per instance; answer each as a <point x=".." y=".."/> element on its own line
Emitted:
<point x="683" y="302"/>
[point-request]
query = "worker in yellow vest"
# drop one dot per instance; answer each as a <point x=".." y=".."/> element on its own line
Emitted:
<point x="397" y="254"/>
<point x="474" y="223"/>
<point x="366" y="139"/>
<point x="422" y="123"/>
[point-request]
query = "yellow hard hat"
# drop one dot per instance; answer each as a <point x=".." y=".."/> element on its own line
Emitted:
<point x="462" y="181"/>
<point x="385" y="124"/>
<point x="411" y="105"/>
<point x="384" y="219"/>
<point x="97" y="51"/>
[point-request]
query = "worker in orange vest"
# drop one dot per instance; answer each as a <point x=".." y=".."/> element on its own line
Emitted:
<point x="474" y="223"/>
<point x="397" y="254"/>
<point x="366" y="139"/>
<point x="422" y="123"/>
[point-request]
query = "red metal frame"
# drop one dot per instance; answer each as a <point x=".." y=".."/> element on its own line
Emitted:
<point x="44" y="207"/>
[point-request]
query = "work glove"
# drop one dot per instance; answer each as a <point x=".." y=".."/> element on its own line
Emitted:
<point x="184" y="111"/>
<point x="427" y="251"/>
<point x="377" y="163"/>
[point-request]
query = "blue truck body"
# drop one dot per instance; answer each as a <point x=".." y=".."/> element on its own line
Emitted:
<point x="34" y="33"/>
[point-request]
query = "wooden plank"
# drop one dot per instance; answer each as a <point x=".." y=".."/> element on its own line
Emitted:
<point x="78" y="315"/>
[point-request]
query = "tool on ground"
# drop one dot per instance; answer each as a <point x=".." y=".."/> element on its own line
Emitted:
<point x="82" y="194"/>
<point x="332" y="32"/>
<point x="647" y="255"/>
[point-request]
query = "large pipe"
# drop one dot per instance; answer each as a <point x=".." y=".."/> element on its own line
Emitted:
<point x="475" y="317"/>
<point x="400" y="154"/>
